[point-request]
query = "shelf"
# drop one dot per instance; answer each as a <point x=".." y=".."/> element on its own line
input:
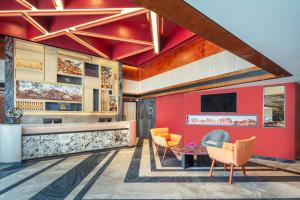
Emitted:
<point x="91" y="70"/>
<point x="51" y="106"/>
<point x="69" y="79"/>
<point x="71" y="75"/>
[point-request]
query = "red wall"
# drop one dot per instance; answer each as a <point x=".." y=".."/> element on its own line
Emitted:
<point x="170" y="112"/>
<point x="271" y="142"/>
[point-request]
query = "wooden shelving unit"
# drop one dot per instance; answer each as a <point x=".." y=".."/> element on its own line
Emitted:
<point x="95" y="99"/>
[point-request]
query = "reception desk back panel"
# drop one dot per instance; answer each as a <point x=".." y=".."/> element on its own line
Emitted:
<point x="45" y="75"/>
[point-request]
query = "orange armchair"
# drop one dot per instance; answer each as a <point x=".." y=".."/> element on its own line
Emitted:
<point x="163" y="138"/>
<point x="235" y="155"/>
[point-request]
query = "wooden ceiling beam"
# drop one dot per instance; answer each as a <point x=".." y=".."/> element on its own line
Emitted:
<point x="186" y="16"/>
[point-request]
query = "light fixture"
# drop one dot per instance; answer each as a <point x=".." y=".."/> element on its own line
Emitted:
<point x="58" y="4"/>
<point x="98" y="35"/>
<point x="155" y="31"/>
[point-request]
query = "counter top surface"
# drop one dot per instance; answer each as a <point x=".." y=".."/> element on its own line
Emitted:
<point x="29" y="129"/>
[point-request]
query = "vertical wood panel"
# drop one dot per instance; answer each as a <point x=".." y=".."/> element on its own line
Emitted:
<point x="50" y="63"/>
<point x="88" y="100"/>
<point x="130" y="110"/>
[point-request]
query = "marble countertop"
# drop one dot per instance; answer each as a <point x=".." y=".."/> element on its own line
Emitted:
<point x="29" y="129"/>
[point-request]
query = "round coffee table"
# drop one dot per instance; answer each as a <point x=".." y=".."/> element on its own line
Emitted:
<point x="188" y="153"/>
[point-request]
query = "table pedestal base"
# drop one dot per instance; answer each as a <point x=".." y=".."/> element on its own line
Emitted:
<point x="202" y="161"/>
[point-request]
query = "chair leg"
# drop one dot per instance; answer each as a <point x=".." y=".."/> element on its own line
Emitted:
<point x="156" y="153"/>
<point x="165" y="152"/>
<point x="244" y="170"/>
<point x="225" y="167"/>
<point x="231" y="173"/>
<point x="212" y="167"/>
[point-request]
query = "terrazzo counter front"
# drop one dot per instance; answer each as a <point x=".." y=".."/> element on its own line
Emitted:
<point x="41" y="140"/>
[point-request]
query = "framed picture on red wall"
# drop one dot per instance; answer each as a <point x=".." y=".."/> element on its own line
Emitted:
<point x="222" y="120"/>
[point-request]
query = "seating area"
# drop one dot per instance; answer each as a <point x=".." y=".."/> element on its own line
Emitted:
<point x="215" y="143"/>
<point x="149" y="99"/>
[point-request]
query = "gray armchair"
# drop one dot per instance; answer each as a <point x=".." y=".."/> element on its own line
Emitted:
<point x="215" y="138"/>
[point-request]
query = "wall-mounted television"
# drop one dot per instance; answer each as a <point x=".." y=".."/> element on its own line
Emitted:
<point x="225" y="102"/>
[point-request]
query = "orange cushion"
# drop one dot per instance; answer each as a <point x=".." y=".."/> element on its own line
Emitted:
<point x="172" y="143"/>
<point x="165" y="135"/>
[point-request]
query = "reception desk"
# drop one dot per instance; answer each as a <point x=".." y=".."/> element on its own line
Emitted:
<point x="44" y="140"/>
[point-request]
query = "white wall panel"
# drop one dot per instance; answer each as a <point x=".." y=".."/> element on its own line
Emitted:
<point x="223" y="62"/>
<point x="130" y="86"/>
<point x="130" y="110"/>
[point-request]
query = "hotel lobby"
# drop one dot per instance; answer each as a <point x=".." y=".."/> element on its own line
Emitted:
<point x="149" y="99"/>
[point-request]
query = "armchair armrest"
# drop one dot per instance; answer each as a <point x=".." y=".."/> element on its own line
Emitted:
<point x="161" y="141"/>
<point x="221" y="155"/>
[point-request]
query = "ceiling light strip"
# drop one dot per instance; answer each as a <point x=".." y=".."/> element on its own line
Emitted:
<point x="113" y="18"/>
<point x="48" y="36"/>
<point x="97" y="35"/>
<point x="64" y="12"/>
<point x="133" y="53"/>
<point x="155" y="31"/>
<point x="34" y="23"/>
<point x="13" y="13"/>
<point x="110" y="11"/>
<point x="85" y="44"/>
<point x="129" y="12"/>
<point x="26" y="4"/>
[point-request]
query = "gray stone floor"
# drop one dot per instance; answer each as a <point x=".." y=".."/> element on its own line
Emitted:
<point x="135" y="173"/>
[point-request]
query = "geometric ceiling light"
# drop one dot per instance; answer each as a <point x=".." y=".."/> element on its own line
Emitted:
<point x="26" y="4"/>
<point x="155" y="31"/>
<point x="117" y="30"/>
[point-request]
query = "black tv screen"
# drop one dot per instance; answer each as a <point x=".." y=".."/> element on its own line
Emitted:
<point x="225" y="102"/>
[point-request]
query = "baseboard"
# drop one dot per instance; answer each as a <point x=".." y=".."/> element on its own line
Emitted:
<point x="273" y="159"/>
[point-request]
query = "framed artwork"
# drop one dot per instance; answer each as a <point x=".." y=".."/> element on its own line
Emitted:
<point x="29" y="64"/>
<point x="222" y="120"/>
<point x="112" y="103"/>
<point x="106" y="77"/>
<point x="69" y="66"/>
<point x="47" y="91"/>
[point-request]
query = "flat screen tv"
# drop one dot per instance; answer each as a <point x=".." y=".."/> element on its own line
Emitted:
<point x="225" y="102"/>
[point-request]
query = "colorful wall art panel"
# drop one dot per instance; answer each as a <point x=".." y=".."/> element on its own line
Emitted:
<point x="222" y="120"/>
<point x="46" y="91"/>
<point x="106" y="77"/>
<point x="29" y="64"/>
<point x="69" y="66"/>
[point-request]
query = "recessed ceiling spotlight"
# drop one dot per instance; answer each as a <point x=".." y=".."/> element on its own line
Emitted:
<point x="58" y="4"/>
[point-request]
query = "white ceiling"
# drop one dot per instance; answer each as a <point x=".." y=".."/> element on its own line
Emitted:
<point x="272" y="27"/>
